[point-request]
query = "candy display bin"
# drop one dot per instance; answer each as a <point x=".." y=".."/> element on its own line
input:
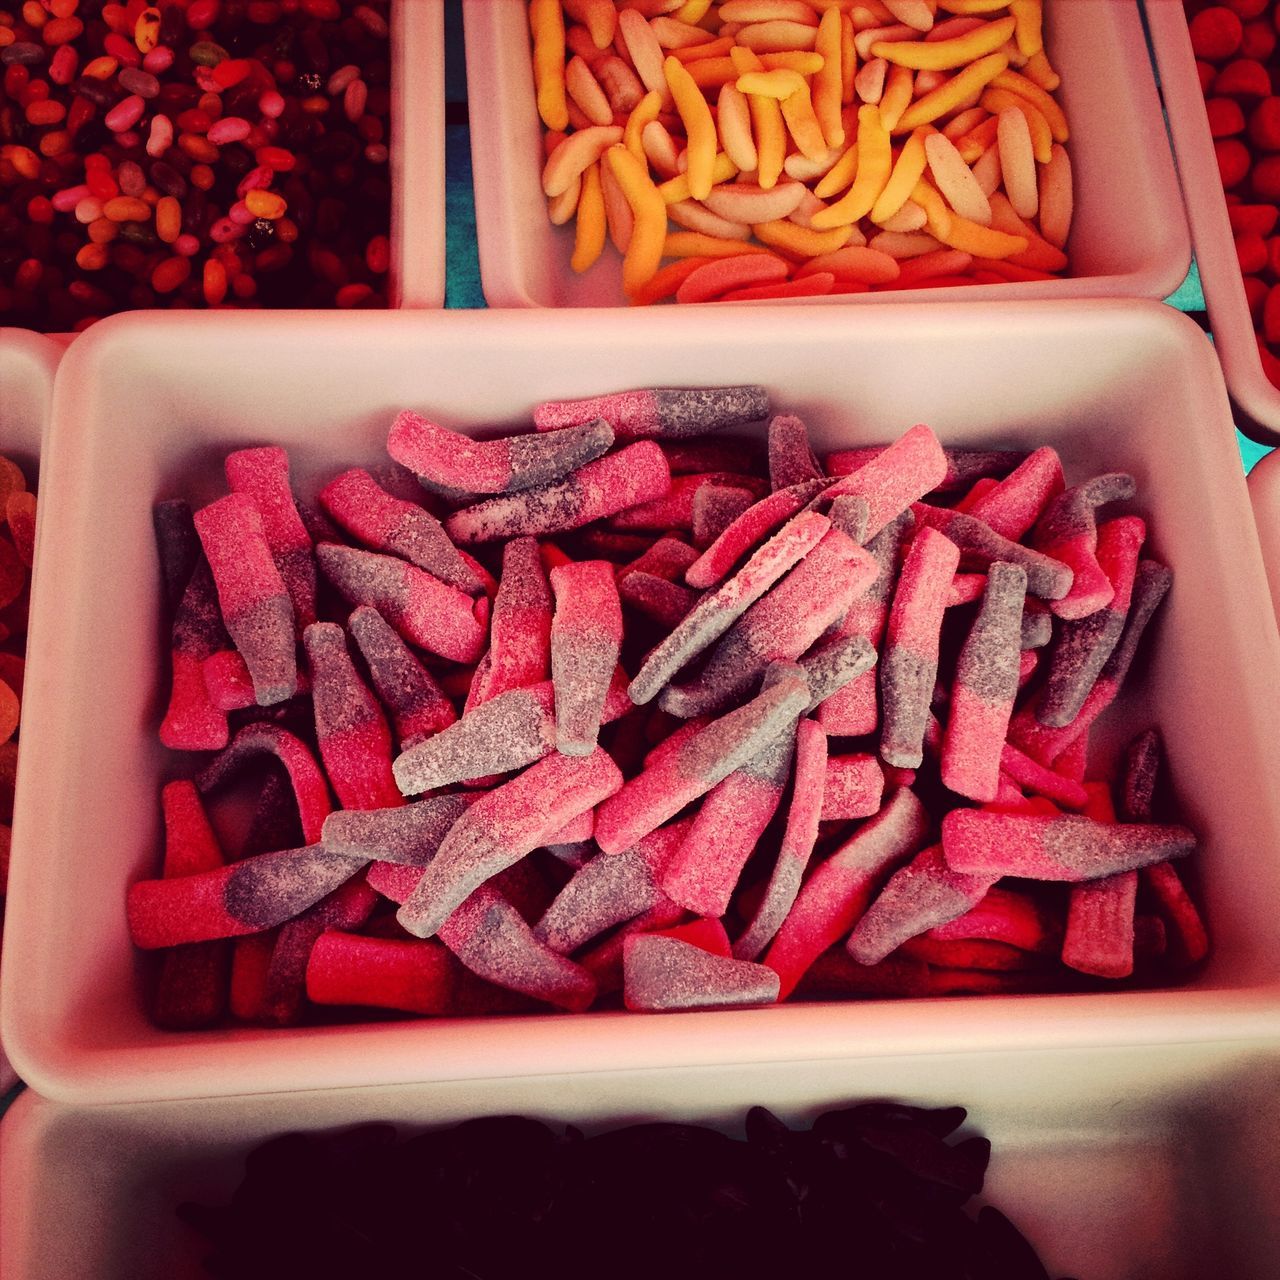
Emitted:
<point x="1233" y="334"/>
<point x="1129" y="237"/>
<point x="147" y="405"/>
<point x="1118" y="1164"/>
<point x="27" y="366"/>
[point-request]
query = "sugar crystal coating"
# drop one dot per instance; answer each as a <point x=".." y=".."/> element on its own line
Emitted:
<point x="908" y="469"/>
<point x="791" y="459"/>
<point x="408" y="835"/>
<point x="520" y="627"/>
<point x="664" y="412"/>
<point x="674" y="510"/>
<point x="192" y="722"/>
<point x="715" y="508"/>
<point x="386" y="973"/>
<point x="668" y="974"/>
<point x="1013" y="506"/>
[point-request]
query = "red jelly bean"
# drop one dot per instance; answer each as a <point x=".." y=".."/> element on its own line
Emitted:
<point x="1271" y="316"/>
<point x="1205" y="71"/>
<point x="1255" y="292"/>
<point x="1251" y="252"/>
<point x="1233" y="160"/>
<point x="1265" y="178"/>
<point x="1243" y="78"/>
<point x="1264" y="124"/>
<point x="1216" y="33"/>
<point x="1225" y="117"/>
<point x="1258" y="218"/>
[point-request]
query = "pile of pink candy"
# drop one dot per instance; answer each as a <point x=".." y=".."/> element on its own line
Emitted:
<point x="620" y="706"/>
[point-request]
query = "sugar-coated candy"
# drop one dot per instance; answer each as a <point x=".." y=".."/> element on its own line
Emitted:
<point x="310" y="790"/>
<point x="586" y="636"/>
<point x="985" y="685"/>
<point x="1067" y="847"/>
<point x="1004" y="915"/>
<point x="1143" y="758"/>
<point x="674" y="510"/>
<point x="667" y="603"/>
<point x="851" y="515"/>
<point x="1068" y="532"/>
<point x="246" y="897"/>
<point x="380" y="520"/>
<point x="924" y="893"/>
<point x="411" y="975"/>
<point x="263" y="475"/>
<point x="853" y="788"/>
<point x="717" y="611"/>
<point x="1037" y="624"/>
<point x="968" y="953"/>
<point x="965" y="467"/>
<point x="408" y="835"/>
<point x="504" y="465"/>
<point x="502" y="827"/>
<point x="834" y="897"/>
<point x="1099" y="935"/>
<point x="791" y="459"/>
<point x="715" y="508"/>
<point x="608" y="891"/>
<point x="491" y="938"/>
<point x="912" y="466"/>
<point x="662" y="789"/>
<point x="664" y="412"/>
<point x="192" y="722"/>
<point x="835" y="664"/>
<point x="604" y="959"/>
<point x="1030" y="775"/>
<point x="637" y="473"/>
<point x="177" y="545"/>
<point x="1014" y="505"/>
<point x="668" y="973"/>
<point x="256" y="608"/>
<point x="423" y="609"/>
<point x="667" y="558"/>
<point x="807" y="799"/>
<point x="418" y="706"/>
<point x="910" y="662"/>
<point x="228" y="682"/>
<point x="519" y="627"/>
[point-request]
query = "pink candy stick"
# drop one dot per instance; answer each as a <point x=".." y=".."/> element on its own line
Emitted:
<point x="854" y="787"/>
<point x="1016" y="503"/>
<point x="577" y="830"/>
<point x="1099" y="936"/>
<point x="192" y="721"/>
<point x="586" y="636"/>
<point x="610" y="891"/>
<point x="455" y="461"/>
<point x="602" y="488"/>
<point x="780" y="626"/>
<point x="964" y="466"/>
<point x="1003" y="915"/>
<point x="798" y="840"/>
<point x="263" y="475"/>
<point x="908" y="469"/>
<point x="704" y="871"/>
<point x="667" y="603"/>
<point x="667" y="973"/>
<point x="1084" y="645"/>
<point x="1068" y="532"/>
<point x="365" y="509"/>
<point x="975" y="495"/>
<point x="691" y="770"/>
<point x="1066" y="847"/>
<point x="675" y="509"/>
<point x="675" y="740"/>
<point x="706" y="935"/>
<point x="228" y="682"/>
<point x="1035" y="777"/>
<point x="910" y="662"/>
<point x="668" y="559"/>
<point x="520" y="629"/>
<point x="310" y="789"/>
<point x="355" y="742"/>
<point x="985" y="686"/>
<point x="393" y="881"/>
<point x="423" y="609"/>
<point x="419" y="708"/>
<point x="489" y="936"/>
<point x="924" y="893"/>
<point x="834" y="897"/>
<point x="717" y="612"/>
<point x="665" y="412"/>
<point x="383" y="973"/>
<point x="501" y="827"/>
<point x="715" y="508"/>
<point x="256" y="608"/>
<point x="791" y="459"/>
<point x="853" y="710"/>
<point x="966" y="588"/>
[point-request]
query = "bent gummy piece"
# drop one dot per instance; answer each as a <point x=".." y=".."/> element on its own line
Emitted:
<point x="683" y="774"/>
<point x="423" y="609"/>
<point x="909" y="666"/>
<point x="664" y="412"/>
<point x="256" y="608"/>
<point x="263" y="475"/>
<point x="635" y="474"/>
<point x="407" y="836"/>
<point x="1066" y="847"/>
<point x="491" y="939"/>
<point x="358" y="503"/>
<point x="519" y="628"/>
<point x="501" y="827"/>
<point x="1013" y="506"/>
<point x="837" y="893"/>
<point x="586" y="636"/>
<point x="661" y="973"/>
<point x="418" y="706"/>
<point x="504" y="465"/>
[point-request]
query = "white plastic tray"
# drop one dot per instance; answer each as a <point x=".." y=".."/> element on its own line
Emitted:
<point x="1117" y="1164"/>
<point x="1233" y="333"/>
<point x="146" y="407"/>
<point x="27" y="366"/>
<point x="1129" y="238"/>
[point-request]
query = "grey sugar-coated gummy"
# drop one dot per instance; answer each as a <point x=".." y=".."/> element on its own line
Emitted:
<point x="361" y="576"/>
<point x="1079" y="653"/>
<point x="850" y="514"/>
<point x="1037" y="628"/>
<point x="668" y="973"/>
<point x="582" y="665"/>
<point x="198" y="629"/>
<point x="524" y="582"/>
<point x="1142" y="760"/>
<point x="779" y="897"/>
<point x="831" y="666"/>
<point x="420" y="538"/>
<point x="264" y="634"/>
<point x="791" y="460"/>
<point x="408" y="836"/>
<point x="1150" y="586"/>
<point x="266" y="890"/>
<point x="715" y="508"/>
<point x="507" y="732"/>
<point x="606" y="891"/>
<point x="906" y="690"/>
<point x="884" y="841"/>
<point x="552" y="508"/>
<point x="693" y="411"/>
<point x="177" y="545"/>
<point x="338" y="695"/>
<point x="1073" y="511"/>
<point x="543" y="457"/>
<point x="1047" y="578"/>
<point x="402" y="682"/>
<point x="989" y="659"/>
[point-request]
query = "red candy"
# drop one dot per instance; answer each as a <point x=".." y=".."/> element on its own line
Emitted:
<point x="1216" y="33"/>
